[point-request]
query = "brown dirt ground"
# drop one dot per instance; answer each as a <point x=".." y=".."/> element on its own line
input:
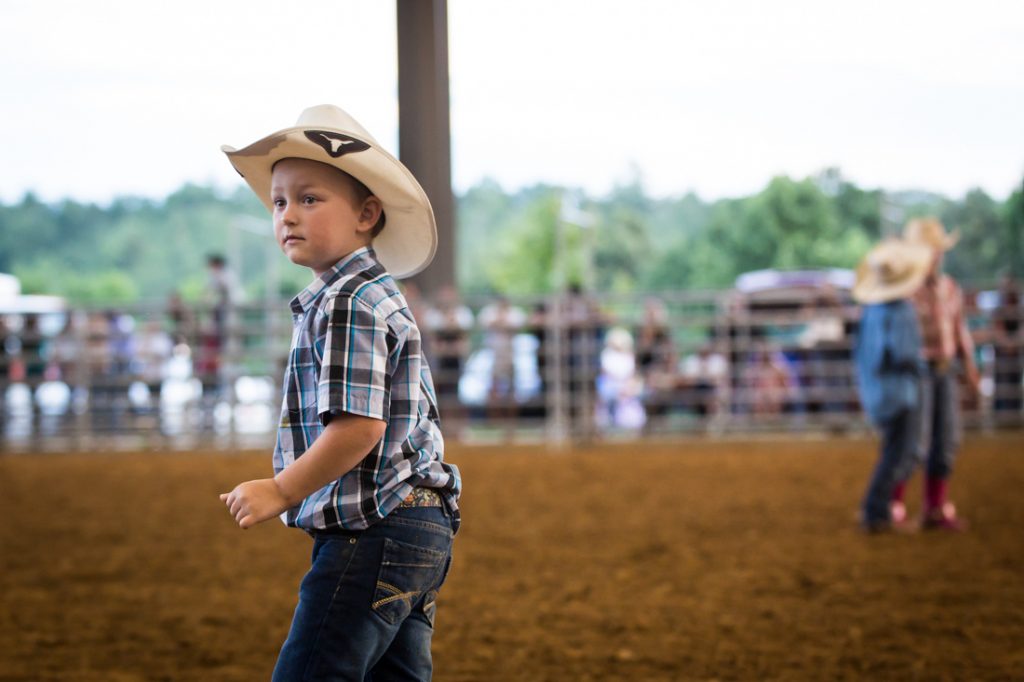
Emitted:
<point x="684" y="561"/>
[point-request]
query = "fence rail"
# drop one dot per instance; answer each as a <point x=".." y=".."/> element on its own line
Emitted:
<point x="559" y="369"/>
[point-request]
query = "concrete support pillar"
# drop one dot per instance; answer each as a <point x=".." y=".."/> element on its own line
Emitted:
<point x="424" y="138"/>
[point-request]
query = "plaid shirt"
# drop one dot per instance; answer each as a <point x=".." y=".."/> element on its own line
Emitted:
<point x="356" y="349"/>
<point x="940" y="313"/>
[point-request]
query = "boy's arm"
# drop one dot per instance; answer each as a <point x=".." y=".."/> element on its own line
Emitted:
<point x="965" y="345"/>
<point x="343" y="443"/>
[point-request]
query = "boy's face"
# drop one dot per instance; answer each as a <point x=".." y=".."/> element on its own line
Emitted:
<point x="318" y="219"/>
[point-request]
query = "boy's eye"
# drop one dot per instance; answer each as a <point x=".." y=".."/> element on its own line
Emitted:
<point x="278" y="203"/>
<point x="308" y="199"/>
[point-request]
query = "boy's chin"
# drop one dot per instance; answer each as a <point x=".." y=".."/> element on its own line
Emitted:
<point x="317" y="266"/>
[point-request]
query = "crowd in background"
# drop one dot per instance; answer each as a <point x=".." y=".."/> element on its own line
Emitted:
<point x="642" y="365"/>
<point x="112" y="364"/>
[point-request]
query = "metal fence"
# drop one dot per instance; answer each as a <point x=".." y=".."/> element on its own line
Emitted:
<point x="557" y="369"/>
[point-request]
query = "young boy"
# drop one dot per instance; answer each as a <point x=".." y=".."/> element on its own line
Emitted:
<point x="888" y="362"/>
<point x="359" y="457"/>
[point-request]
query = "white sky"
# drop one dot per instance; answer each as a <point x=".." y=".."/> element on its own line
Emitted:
<point x="99" y="99"/>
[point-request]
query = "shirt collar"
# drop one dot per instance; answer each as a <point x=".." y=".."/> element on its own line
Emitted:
<point x="358" y="260"/>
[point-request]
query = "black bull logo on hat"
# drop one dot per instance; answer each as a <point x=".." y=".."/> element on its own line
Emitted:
<point x="336" y="144"/>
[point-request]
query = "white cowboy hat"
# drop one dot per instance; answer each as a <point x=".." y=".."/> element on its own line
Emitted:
<point x="930" y="232"/>
<point x="327" y="134"/>
<point x="893" y="269"/>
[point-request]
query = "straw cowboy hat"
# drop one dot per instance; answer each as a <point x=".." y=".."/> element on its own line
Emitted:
<point x="930" y="232"/>
<point x="327" y="134"/>
<point x="893" y="269"/>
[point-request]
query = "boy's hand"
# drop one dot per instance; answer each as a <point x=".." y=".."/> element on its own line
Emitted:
<point x="256" y="501"/>
<point x="973" y="381"/>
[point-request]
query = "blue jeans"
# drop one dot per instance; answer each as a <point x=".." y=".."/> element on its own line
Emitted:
<point x="366" y="606"/>
<point x="896" y="461"/>
<point x="940" y="422"/>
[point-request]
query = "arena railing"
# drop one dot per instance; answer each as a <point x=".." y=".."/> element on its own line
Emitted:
<point x="554" y="369"/>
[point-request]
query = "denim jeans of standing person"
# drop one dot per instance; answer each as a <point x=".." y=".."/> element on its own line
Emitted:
<point x="366" y="606"/>
<point x="940" y="422"/>
<point x="897" y="456"/>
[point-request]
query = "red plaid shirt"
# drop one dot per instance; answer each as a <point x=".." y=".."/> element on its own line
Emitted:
<point x="940" y="313"/>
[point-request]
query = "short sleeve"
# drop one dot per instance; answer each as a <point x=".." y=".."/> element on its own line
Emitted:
<point x="354" y="376"/>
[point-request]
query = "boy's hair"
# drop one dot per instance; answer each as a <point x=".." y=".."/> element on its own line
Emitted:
<point x="362" y="194"/>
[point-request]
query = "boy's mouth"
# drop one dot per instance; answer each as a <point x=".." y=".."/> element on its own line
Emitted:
<point x="291" y="239"/>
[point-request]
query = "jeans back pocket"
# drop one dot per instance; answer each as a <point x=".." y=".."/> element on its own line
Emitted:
<point x="406" y="573"/>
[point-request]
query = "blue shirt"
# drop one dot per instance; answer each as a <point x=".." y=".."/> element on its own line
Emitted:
<point x="356" y="349"/>
<point x="888" y="359"/>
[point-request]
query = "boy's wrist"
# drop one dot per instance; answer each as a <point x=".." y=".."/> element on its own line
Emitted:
<point x="283" y="490"/>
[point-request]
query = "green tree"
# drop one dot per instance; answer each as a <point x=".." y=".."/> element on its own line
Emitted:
<point x="979" y="254"/>
<point x="859" y="210"/>
<point x="524" y="258"/>
<point x="617" y="239"/>
<point x="27" y="231"/>
<point x="1013" y="220"/>
<point x="136" y="248"/>
<point x="484" y="213"/>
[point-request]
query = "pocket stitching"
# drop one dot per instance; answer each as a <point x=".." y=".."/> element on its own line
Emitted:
<point x="428" y="559"/>
<point x="396" y="596"/>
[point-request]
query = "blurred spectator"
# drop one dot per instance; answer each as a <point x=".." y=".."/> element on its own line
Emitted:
<point x="655" y="356"/>
<point x="739" y="334"/>
<point x="448" y="325"/>
<point x="585" y="323"/>
<point x="5" y="338"/>
<point x="501" y="322"/>
<point x="537" y="327"/>
<point x="153" y="351"/>
<point x="99" y="367"/>
<point x="29" y="363"/>
<point x="826" y="349"/>
<point x="979" y="326"/>
<point x="654" y="349"/>
<point x="702" y="375"/>
<point x="768" y="380"/>
<point x="222" y="292"/>
<point x="6" y="341"/>
<point x="1007" y="342"/>
<point x="68" y="350"/>
<point x="122" y="342"/>
<point x="222" y="295"/>
<point x="181" y="319"/>
<point x="618" y="386"/>
<point x="5" y="364"/>
<point x="96" y="353"/>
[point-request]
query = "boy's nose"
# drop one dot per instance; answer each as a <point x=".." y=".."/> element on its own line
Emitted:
<point x="288" y="215"/>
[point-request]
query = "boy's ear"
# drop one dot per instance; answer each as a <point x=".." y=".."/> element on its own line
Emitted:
<point x="370" y="212"/>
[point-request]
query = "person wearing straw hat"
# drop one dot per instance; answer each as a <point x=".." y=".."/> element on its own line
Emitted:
<point x="887" y="357"/>
<point x="945" y="338"/>
<point x="359" y="460"/>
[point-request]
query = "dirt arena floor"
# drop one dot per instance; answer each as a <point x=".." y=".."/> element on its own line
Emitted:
<point x="686" y="561"/>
